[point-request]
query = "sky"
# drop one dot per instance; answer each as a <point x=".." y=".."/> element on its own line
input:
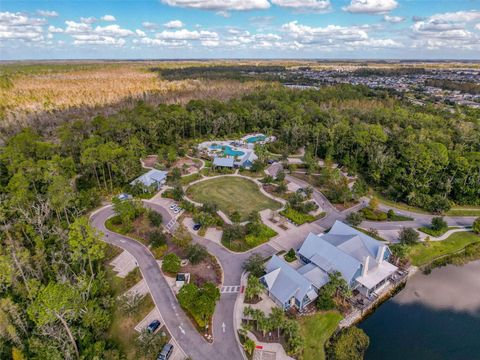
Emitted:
<point x="182" y="29"/>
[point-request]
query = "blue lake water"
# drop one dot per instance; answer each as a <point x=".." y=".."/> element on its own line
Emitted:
<point x="435" y="317"/>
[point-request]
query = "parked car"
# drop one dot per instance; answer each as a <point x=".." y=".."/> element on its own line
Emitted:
<point x="270" y="162"/>
<point x="153" y="326"/>
<point x="196" y="227"/>
<point x="166" y="352"/>
<point x="177" y="210"/>
<point x="173" y="206"/>
<point x="124" y="196"/>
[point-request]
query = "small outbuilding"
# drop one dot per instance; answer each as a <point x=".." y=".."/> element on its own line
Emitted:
<point x="153" y="178"/>
<point x="223" y="162"/>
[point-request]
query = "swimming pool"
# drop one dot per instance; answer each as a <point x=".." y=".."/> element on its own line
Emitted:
<point x="227" y="150"/>
<point x="254" y="139"/>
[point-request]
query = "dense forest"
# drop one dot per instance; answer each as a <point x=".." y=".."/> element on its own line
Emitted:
<point x="55" y="302"/>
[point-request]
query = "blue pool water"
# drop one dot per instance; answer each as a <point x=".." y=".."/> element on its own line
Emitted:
<point x="254" y="139"/>
<point x="227" y="150"/>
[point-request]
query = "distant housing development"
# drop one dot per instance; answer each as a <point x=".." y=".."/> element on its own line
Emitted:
<point x="361" y="260"/>
<point x="234" y="153"/>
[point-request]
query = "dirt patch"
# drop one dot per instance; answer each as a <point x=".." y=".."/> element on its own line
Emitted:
<point x="186" y="165"/>
<point x="206" y="271"/>
<point x="342" y="207"/>
<point x="150" y="161"/>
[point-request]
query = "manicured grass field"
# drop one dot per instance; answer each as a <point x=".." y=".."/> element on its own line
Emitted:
<point x="316" y="330"/>
<point x="232" y="194"/>
<point x="422" y="254"/>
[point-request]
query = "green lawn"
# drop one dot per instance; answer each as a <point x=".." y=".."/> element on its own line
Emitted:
<point x="422" y="254"/>
<point x="436" y="233"/>
<point x="185" y="180"/>
<point x="232" y="194"/>
<point x="464" y="211"/>
<point x="316" y="330"/>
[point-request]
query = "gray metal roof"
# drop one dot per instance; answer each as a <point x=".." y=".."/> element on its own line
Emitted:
<point x="284" y="282"/>
<point x="151" y="177"/>
<point x="226" y="162"/>
<point x="343" y="249"/>
<point x="314" y="274"/>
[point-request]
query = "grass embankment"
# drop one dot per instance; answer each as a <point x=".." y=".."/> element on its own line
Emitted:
<point x="316" y="330"/>
<point x="232" y="194"/>
<point x="424" y="253"/>
<point x="434" y="232"/>
<point x="454" y="211"/>
<point x="464" y="211"/>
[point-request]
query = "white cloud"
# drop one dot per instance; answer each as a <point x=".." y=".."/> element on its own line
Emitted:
<point x="149" y="25"/>
<point x="53" y="29"/>
<point x="88" y="20"/>
<point x="174" y="24"/>
<point x="323" y="35"/>
<point x="447" y="30"/>
<point x="219" y="5"/>
<point x="84" y="34"/>
<point x="371" y="6"/>
<point x="47" y="13"/>
<point x="223" y="13"/>
<point x="394" y="19"/>
<point x="377" y="43"/>
<point x="108" y="18"/>
<point x="140" y="33"/>
<point x="18" y="26"/>
<point x="477" y="26"/>
<point x="185" y="34"/>
<point x="459" y="16"/>
<point x="312" y="5"/>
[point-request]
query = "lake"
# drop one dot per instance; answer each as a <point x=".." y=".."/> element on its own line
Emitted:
<point x="435" y="317"/>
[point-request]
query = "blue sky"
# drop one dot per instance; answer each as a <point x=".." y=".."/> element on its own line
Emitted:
<point x="133" y="29"/>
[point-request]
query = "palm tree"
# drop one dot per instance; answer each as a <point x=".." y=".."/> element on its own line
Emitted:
<point x="277" y="318"/>
<point x="249" y="346"/>
<point x="254" y="288"/>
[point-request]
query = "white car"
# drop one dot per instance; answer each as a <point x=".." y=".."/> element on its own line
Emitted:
<point x="177" y="210"/>
<point x="173" y="206"/>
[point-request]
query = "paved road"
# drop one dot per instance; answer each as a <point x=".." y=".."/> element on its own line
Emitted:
<point x="189" y="339"/>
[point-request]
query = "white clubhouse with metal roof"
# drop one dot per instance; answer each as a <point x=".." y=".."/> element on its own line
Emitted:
<point x="361" y="260"/>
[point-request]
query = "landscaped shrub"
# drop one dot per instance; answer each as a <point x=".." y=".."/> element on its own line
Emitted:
<point x="199" y="302"/>
<point x="297" y="217"/>
<point x="255" y="265"/>
<point x="171" y="263"/>
<point x="196" y="253"/>
<point x="355" y="218"/>
<point x="350" y="344"/>
<point x="157" y="238"/>
<point x="374" y="215"/>
<point x="476" y="226"/>
<point x="290" y="255"/>
<point x="408" y="236"/>
<point x="155" y="218"/>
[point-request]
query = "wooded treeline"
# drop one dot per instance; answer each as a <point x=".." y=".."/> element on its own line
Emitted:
<point x="55" y="301"/>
